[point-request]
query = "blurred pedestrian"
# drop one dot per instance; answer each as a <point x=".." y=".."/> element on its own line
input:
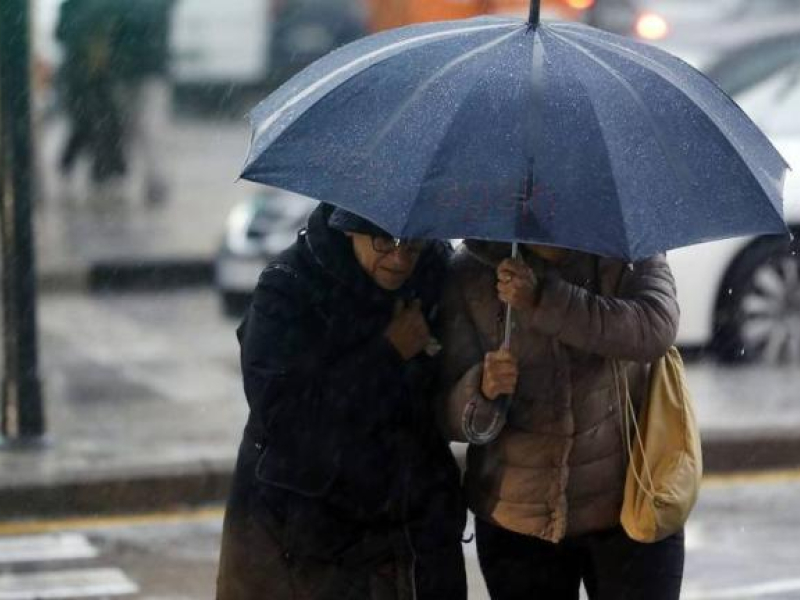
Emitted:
<point x="344" y="487"/>
<point x="545" y="480"/>
<point x="86" y="30"/>
<point x="141" y="64"/>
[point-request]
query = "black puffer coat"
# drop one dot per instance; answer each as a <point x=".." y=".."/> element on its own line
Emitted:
<point x="341" y="457"/>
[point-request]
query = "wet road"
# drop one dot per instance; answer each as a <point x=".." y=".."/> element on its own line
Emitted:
<point x="743" y="541"/>
<point x="741" y="544"/>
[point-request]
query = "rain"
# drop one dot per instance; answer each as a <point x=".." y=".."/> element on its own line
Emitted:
<point x="159" y="157"/>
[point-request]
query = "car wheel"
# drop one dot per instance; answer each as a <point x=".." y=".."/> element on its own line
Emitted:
<point x="759" y="317"/>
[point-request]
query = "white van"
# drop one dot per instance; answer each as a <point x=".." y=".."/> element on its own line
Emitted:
<point x="221" y="43"/>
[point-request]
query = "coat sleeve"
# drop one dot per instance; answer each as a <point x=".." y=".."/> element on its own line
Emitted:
<point x="465" y="414"/>
<point x="293" y="379"/>
<point x="639" y="324"/>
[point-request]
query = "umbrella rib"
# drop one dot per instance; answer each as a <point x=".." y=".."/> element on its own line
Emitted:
<point x="677" y="164"/>
<point x="659" y="70"/>
<point x="623" y="221"/>
<point x="446" y="132"/>
<point x="654" y="66"/>
<point x="366" y="59"/>
<point x="423" y="86"/>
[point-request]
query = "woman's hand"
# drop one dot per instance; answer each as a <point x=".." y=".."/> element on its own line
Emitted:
<point x="500" y="374"/>
<point x="517" y="285"/>
<point x="408" y="332"/>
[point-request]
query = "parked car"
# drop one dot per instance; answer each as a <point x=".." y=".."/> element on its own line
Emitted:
<point x="257" y="230"/>
<point x="631" y="17"/>
<point x="221" y="43"/>
<point x="698" y="32"/>
<point x="742" y="296"/>
<point x="739" y="297"/>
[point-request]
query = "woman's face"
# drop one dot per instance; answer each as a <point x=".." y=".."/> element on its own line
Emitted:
<point x="389" y="270"/>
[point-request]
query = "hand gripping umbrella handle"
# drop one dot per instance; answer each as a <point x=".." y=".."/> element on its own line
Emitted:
<point x="502" y="403"/>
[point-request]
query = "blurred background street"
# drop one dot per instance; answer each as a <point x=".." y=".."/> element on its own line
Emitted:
<point x="143" y="272"/>
<point x="78" y="226"/>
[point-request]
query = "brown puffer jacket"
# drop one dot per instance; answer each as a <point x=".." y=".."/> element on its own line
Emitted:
<point x="555" y="467"/>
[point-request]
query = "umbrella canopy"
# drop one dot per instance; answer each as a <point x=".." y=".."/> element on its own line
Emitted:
<point x="502" y="129"/>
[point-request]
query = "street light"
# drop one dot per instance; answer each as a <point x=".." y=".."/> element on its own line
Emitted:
<point x="22" y="417"/>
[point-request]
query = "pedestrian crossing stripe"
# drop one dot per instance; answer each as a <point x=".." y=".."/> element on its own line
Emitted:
<point x="56" y="585"/>
<point x="44" y="548"/>
<point x="746" y="592"/>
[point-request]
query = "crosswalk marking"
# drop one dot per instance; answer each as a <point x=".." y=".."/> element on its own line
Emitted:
<point x="76" y="583"/>
<point x="42" y="548"/>
<point x="746" y="592"/>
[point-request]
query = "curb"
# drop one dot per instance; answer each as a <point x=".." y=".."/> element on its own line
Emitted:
<point x="146" y="492"/>
<point x="750" y="451"/>
<point x="150" y="275"/>
<point x="204" y="483"/>
<point x="129" y="276"/>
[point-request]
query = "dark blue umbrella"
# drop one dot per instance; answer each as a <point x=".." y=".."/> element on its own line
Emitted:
<point x="502" y="129"/>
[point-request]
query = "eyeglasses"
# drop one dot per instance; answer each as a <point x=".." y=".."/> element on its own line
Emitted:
<point x="387" y="245"/>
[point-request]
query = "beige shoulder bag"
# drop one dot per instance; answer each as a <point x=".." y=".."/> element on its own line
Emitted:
<point x="666" y="464"/>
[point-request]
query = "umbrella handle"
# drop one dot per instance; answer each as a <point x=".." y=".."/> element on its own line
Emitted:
<point x="507" y="334"/>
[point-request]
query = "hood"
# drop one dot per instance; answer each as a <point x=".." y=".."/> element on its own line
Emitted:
<point x="332" y="251"/>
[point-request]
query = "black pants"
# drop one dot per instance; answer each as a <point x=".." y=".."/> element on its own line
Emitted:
<point x="97" y="128"/>
<point x="610" y="564"/>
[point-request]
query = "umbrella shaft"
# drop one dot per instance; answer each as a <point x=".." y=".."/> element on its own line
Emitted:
<point x="507" y="335"/>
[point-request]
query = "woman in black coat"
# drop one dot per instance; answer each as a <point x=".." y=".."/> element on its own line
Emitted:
<point x="344" y="487"/>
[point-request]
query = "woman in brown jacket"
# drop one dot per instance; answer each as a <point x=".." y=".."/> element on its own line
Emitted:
<point x="545" y="476"/>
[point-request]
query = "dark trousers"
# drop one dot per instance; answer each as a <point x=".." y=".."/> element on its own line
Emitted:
<point x="610" y="564"/>
<point x="254" y="566"/>
<point x="97" y="128"/>
<point x="299" y="555"/>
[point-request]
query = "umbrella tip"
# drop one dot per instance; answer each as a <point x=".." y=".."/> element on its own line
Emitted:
<point x="533" y="18"/>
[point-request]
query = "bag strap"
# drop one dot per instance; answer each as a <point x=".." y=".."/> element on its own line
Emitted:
<point x="628" y="415"/>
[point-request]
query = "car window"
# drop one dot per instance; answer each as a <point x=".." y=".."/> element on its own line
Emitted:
<point x="773" y="103"/>
<point x="748" y="67"/>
